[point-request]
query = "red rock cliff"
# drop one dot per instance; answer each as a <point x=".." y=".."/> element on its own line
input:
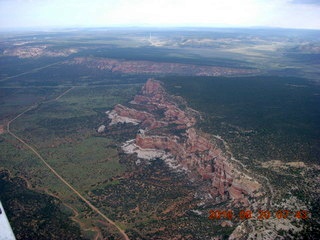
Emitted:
<point x="192" y="151"/>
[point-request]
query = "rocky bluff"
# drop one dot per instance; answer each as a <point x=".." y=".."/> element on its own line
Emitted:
<point x="168" y="131"/>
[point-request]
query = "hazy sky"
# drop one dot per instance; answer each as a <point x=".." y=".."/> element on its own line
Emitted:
<point x="208" y="13"/>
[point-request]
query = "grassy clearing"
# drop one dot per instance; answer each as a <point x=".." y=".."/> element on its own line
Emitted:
<point x="64" y="133"/>
<point x="98" y="97"/>
<point x="74" y="116"/>
<point x="85" y="163"/>
<point x="15" y="100"/>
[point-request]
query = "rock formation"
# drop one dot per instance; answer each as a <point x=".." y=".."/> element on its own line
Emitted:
<point x="170" y="132"/>
<point x="149" y="67"/>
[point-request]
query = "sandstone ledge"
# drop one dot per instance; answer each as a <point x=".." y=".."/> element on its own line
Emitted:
<point x="188" y="151"/>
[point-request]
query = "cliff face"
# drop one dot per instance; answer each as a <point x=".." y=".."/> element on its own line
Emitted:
<point x="149" y="67"/>
<point x="167" y="128"/>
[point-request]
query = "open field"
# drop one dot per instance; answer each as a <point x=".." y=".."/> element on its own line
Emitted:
<point x="67" y="148"/>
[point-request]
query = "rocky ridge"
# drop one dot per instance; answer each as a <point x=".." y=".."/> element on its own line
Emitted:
<point x="149" y="67"/>
<point x="38" y="51"/>
<point x="169" y="132"/>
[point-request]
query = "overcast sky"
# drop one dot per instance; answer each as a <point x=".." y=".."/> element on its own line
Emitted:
<point x="206" y="13"/>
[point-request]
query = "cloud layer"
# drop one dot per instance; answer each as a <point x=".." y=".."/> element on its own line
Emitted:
<point x="209" y="13"/>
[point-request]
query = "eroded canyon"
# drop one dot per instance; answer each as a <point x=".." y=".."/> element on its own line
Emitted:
<point x="168" y="132"/>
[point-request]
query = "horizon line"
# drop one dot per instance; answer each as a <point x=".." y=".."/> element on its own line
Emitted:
<point x="50" y="28"/>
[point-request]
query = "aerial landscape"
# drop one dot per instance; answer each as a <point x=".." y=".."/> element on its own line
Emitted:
<point x="160" y="132"/>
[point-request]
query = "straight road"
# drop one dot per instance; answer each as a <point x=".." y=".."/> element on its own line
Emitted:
<point x="31" y="71"/>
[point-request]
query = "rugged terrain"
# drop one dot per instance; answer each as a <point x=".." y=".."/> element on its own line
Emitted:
<point x="37" y="51"/>
<point x="162" y="68"/>
<point x="169" y="132"/>
<point x="156" y="167"/>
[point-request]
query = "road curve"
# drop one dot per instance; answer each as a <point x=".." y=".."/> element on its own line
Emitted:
<point x="122" y="232"/>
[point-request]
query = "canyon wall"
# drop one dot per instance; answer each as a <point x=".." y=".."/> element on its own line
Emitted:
<point x="166" y="127"/>
<point x="149" y="67"/>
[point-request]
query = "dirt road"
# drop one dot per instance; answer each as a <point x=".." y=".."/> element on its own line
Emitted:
<point x="122" y="232"/>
